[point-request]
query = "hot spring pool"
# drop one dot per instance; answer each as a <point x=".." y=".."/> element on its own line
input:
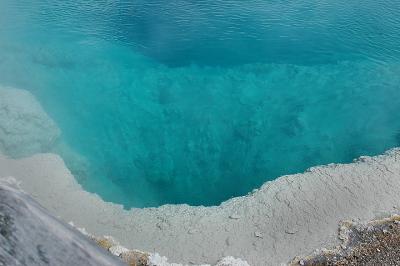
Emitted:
<point x="195" y="102"/>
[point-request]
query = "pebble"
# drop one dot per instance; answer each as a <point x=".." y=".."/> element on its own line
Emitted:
<point x="290" y="232"/>
<point x="258" y="234"/>
<point x="117" y="250"/>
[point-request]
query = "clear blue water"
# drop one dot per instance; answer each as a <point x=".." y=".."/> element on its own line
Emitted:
<point x="199" y="101"/>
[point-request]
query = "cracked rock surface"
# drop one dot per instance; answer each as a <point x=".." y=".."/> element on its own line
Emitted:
<point x="284" y="218"/>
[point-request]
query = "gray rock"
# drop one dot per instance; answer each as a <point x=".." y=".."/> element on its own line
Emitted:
<point x="30" y="236"/>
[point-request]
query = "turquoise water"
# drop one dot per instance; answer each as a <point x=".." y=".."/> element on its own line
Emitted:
<point x="199" y="101"/>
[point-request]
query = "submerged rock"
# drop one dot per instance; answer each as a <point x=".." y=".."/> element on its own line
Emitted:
<point x="25" y="128"/>
<point x="30" y="236"/>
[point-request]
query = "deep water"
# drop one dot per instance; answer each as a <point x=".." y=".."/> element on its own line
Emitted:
<point x="199" y="101"/>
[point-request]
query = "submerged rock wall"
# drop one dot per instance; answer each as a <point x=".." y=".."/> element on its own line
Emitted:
<point x="25" y="128"/>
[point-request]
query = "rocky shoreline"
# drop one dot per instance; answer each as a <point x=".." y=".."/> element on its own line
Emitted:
<point x="285" y="218"/>
<point x="370" y="243"/>
<point x="29" y="233"/>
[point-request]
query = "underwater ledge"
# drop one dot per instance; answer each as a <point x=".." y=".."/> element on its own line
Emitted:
<point x="284" y="218"/>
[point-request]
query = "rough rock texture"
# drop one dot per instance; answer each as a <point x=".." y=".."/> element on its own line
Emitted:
<point x="30" y="236"/>
<point x="284" y="218"/>
<point x="140" y="258"/>
<point x="373" y="243"/>
<point x="25" y="128"/>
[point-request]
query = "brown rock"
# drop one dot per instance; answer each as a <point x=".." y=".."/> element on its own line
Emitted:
<point x="135" y="258"/>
